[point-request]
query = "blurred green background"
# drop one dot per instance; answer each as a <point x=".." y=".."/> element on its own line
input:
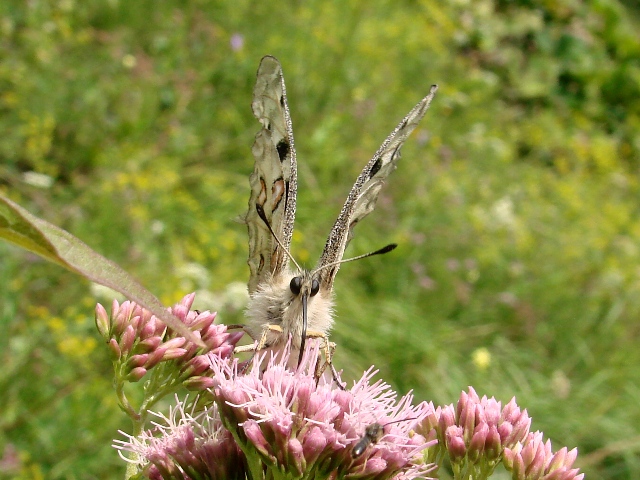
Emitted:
<point x="516" y="204"/>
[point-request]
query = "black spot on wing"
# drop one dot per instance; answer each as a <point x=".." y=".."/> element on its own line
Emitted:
<point x="283" y="149"/>
<point x="375" y="168"/>
<point x="332" y="272"/>
<point x="282" y="101"/>
<point x="396" y="152"/>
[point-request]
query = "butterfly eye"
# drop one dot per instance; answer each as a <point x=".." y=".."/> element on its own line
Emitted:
<point x="295" y="285"/>
<point x="315" y="287"/>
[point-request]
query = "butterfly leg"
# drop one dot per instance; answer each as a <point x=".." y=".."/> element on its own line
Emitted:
<point x="329" y="349"/>
<point x="242" y="367"/>
<point x="321" y="366"/>
<point x="262" y="344"/>
<point x="242" y="348"/>
<point x="245" y="348"/>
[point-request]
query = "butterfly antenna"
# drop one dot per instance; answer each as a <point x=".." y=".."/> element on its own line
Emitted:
<point x="385" y="249"/>
<point x="401" y="420"/>
<point x="263" y="216"/>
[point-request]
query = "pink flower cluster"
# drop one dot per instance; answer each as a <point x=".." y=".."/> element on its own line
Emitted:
<point x="480" y="428"/>
<point x="309" y="428"/>
<point x="533" y="459"/>
<point x="139" y="341"/>
<point x="276" y="421"/>
<point x="185" y="442"/>
<point x="478" y="433"/>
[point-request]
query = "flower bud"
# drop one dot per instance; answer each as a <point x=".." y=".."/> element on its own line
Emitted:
<point x="492" y="411"/>
<point x="149" y="344"/>
<point x="533" y="459"/>
<point x="148" y="329"/>
<point x="115" y="311"/>
<point x="213" y="337"/>
<point x="115" y="349"/>
<point x="504" y="430"/>
<point x="520" y="429"/>
<point x="462" y="403"/>
<point x="429" y="421"/>
<point x="455" y="444"/>
<point x="476" y="446"/>
<point x="180" y="311"/>
<point x="467" y="421"/>
<point x="174" y="353"/>
<point x="174" y="343"/>
<point x="187" y="300"/>
<point x="224" y="351"/>
<point x="234" y="337"/>
<point x="136" y="374"/>
<point x="508" y="458"/>
<point x="203" y="322"/>
<point x="313" y="444"/>
<point x="492" y="446"/>
<point x="374" y="467"/>
<point x="255" y="436"/>
<point x="127" y="339"/>
<point x="198" y="365"/>
<point x="136" y="323"/>
<point x="447" y="418"/>
<point x="137" y="360"/>
<point x="536" y="463"/>
<point x="295" y="457"/>
<point x="563" y="458"/>
<point x="198" y="383"/>
<point x="519" y="470"/>
<point x="232" y="396"/>
<point x="153" y="358"/>
<point x="102" y="321"/>
<point x="191" y="349"/>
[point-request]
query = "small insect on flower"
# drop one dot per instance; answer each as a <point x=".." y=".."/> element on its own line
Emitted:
<point x="372" y="434"/>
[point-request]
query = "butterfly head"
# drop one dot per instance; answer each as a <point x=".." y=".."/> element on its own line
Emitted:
<point x="304" y="286"/>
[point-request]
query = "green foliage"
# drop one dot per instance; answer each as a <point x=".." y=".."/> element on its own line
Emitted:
<point x="58" y="246"/>
<point x="515" y="206"/>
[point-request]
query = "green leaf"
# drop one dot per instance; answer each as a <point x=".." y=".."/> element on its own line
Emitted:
<point x="56" y="245"/>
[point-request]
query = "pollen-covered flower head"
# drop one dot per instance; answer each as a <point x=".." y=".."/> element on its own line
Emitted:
<point x="286" y="420"/>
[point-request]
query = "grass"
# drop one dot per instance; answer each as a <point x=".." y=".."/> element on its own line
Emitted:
<point x="515" y="204"/>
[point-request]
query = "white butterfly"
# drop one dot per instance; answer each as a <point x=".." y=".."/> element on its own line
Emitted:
<point x="299" y="303"/>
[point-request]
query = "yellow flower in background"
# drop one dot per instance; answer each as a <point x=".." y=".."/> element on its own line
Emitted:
<point x="481" y="358"/>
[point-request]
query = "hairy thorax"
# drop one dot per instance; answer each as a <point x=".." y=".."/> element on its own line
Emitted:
<point x="273" y="303"/>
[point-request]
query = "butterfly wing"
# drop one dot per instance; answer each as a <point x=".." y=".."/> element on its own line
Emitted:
<point x="274" y="179"/>
<point x="364" y="193"/>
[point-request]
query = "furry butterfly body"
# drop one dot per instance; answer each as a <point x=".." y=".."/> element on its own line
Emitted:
<point x="298" y="304"/>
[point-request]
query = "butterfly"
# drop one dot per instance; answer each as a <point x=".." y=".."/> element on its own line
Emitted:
<point x="298" y="304"/>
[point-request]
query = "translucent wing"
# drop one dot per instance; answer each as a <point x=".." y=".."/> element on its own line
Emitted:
<point x="274" y="178"/>
<point x="364" y="193"/>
